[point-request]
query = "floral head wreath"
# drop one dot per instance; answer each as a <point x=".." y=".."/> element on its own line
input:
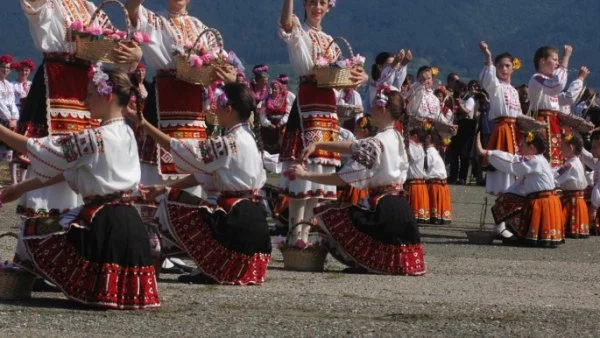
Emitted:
<point x="6" y="59"/>
<point x="569" y="138"/>
<point x="529" y="137"/>
<point x="101" y="80"/>
<point x="222" y="99"/>
<point x="260" y="70"/>
<point x="517" y="63"/>
<point x="382" y="97"/>
<point x="27" y="63"/>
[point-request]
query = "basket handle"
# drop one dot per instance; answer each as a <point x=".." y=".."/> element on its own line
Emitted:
<point x="113" y="2"/>
<point x="339" y="38"/>
<point x="9" y="234"/>
<point x="217" y="34"/>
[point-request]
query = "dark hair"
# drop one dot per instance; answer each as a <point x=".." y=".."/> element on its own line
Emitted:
<point x="543" y="53"/>
<point x="451" y="77"/>
<point x="459" y="89"/>
<point x="435" y="139"/>
<point x="124" y="90"/>
<point x="380" y="60"/>
<point x="472" y="83"/>
<point x="240" y="99"/>
<point x="257" y="74"/>
<point x="422" y="70"/>
<point x="577" y="142"/>
<point x="410" y="79"/>
<point x="503" y="56"/>
<point x="395" y="105"/>
<point x="595" y="136"/>
<point x="538" y="142"/>
<point x="420" y="133"/>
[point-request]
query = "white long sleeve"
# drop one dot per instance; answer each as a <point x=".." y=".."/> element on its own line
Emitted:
<point x="393" y="77"/>
<point x="544" y="90"/>
<point x="504" y="98"/>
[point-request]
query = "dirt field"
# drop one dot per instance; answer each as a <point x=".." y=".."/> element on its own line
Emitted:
<point x="469" y="290"/>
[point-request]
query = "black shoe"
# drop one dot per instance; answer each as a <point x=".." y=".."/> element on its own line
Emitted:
<point x="195" y="279"/>
<point x="41" y="285"/>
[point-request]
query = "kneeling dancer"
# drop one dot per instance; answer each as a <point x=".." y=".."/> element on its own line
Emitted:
<point x="381" y="237"/>
<point x="230" y="242"/>
<point x="96" y="254"/>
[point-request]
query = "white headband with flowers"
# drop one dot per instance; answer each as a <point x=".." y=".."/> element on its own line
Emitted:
<point x="381" y="98"/>
<point x="101" y="80"/>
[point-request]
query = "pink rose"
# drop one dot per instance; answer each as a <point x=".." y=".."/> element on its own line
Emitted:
<point x="107" y="31"/>
<point x="77" y="25"/>
<point x="322" y="62"/>
<point x="138" y="37"/>
<point x="94" y="30"/>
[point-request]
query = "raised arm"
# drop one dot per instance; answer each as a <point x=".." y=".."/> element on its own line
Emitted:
<point x="15" y="191"/>
<point x="161" y="138"/>
<point x="287" y="14"/>
<point x="14" y="140"/>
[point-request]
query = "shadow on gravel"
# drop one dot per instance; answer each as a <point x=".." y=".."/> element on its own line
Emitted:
<point x="52" y="303"/>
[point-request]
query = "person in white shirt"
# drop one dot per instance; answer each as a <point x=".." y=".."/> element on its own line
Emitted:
<point x="571" y="179"/>
<point x="384" y="226"/>
<point x="592" y="160"/>
<point x="104" y="239"/>
<point x="422" y="103"/>
<point x="529" y="212"/>
<point x="9" y="113"/>
<point x="415" y="186"/>
<point x="22" y="87"/>
<point x="436" y="177"/>
<point x="505" y="107"/>
<point x="382" y="60"/>
<point x="229" y="242"/>
<point x="545" y="86"/>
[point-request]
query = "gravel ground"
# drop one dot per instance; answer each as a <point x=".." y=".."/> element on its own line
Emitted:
<point x="469" y="290"/>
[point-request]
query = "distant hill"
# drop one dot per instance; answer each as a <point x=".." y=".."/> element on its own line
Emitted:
<point x="440" y="32"/>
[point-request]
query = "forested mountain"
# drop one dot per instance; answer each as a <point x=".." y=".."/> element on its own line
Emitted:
<point x="441" y="32"/>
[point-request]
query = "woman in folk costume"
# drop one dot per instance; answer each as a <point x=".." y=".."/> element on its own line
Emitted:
<point x="98" y="253"/>
<point x="230" y="243"/>
<point x="273" y="116"/>
<point x="313" y="118"/>
<point x="22" y="85"/>
<point x="545" y="86"/>
<point x="285" y="81"/>
<point x="422" y="102"/>
<point x="529" y="212"/>
<point x="9" y="113"/>
<point x="571" y="179"/>
<point x="505" y="107"/>
<point x="55" y="106"/>
<point x="382" y="60"/>
<point x="436" y="177"/>
<point x="415" y="186"/>
<point x="260" y="84"/>
<point x="592" y="160"/>
<point x="382" y="235"/>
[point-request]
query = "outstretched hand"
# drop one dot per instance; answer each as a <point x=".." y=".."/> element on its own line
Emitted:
<point x="298" y="170"/>
<point x="358" y="76"/>
<point x="10" y="193"/>
<point x="584" y="72"/>
<point x="408" y="57"/>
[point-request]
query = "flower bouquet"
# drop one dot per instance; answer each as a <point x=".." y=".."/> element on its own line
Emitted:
<point x="198" y="65"/>
<point x="15" y="284"/>
<point x="96" y="42"/>
<point x="337" y="74"/>
<point x="303" y="255"/>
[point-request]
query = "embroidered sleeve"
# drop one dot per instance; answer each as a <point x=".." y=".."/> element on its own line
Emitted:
<point x="513" y="164"/>
<point x="192" y="156"/>
<point x="51" y="156"/>
<point x="552" y="85"/>
<point x="365" y="157"/>
<point x="299" y="47"/>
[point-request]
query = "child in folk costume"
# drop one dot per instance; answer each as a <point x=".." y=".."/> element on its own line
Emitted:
<point x="382" y="235"/>
<point x="591" y="160"/>
<point x="260" y="84"/>
<point x="9" y="113"/>
<point x="436" y="177"/>
<point x="422" y="102"/>
<point x="313" y="118"/>
<point x="274" y="114"/>
<point x="447" y="104"/>
<point x="415" y="186"/>
<point x="571" y="179"/>
<point x="505" y="107"/>
<point x="230" y="243"/>
<point x="55" y="106"/>
<point x="545" y="86"/>
<point x="98" y="253"/>
<point x="22" y="87"/>
<point x="530" y="209"/>
<point x="395" y="73"/>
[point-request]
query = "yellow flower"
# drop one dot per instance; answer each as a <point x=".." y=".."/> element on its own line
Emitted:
<point x="435" y="71"/>
<point x="427" y="126"/>
<point x="530" y="137"/>
<point x="569" y="138"/>
<point x="517" y="64"/>
<point x="446" y="141"/>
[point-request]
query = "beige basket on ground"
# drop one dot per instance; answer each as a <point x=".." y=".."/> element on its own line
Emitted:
<point x="101" y="50"/>
<point x="205" y="75"/>
<point x="15" y="284"/>
<point x="310" y="260"/>
<point x="335" y="77"/>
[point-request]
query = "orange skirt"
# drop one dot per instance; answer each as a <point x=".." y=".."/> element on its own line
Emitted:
<point x="439" y="202"/>
<point x="542" y="223"/>
<point x="504" y="136"/>
<point x="352" y="195"/>
<point x="575" y="214"/>
<point x="418" y="197"/>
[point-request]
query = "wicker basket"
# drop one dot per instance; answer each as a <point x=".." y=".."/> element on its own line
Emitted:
<point x="527" y="123"/>
<point x="205" y="75"/>
<point x="445" y="130"/>
<point x="100" y="50"/>
<point x="577" y="123"/>
<point x="15" y="284"/>
<point x="335" y="77"/>
<point x="347" y="111"/>
<point x="310" y="260"/>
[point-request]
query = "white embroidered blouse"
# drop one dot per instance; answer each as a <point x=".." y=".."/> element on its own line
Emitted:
<point x="227" y="163"/>
<point x="534" y="172"/>
<point x="94" y="162"/>
<point x="377" y="161"/>
<point x="571" y="176"/>
<point x="504" y="98"/>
